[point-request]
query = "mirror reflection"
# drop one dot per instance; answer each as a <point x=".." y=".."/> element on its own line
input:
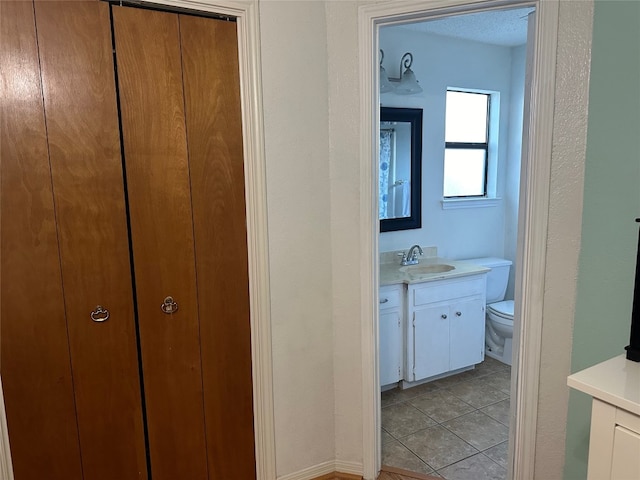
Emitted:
<point x="400" y="161"/>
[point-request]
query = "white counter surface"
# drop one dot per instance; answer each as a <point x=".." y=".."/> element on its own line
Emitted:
<point x="391" y="273"/>
<point x="615" y="381"/>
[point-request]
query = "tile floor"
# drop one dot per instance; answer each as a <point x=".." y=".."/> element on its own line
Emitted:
<point x="456" y="428"/>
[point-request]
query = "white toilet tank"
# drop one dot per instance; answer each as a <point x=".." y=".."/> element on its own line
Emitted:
<point x="497" y="278"/>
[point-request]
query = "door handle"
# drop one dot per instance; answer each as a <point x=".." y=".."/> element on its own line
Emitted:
<point x="169" y="306"/>
<point x="100" y="314"/>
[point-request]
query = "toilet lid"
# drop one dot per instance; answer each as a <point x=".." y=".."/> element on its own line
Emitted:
<point x="502" y="309"/>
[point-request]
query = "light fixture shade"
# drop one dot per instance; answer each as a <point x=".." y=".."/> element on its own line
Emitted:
<point x="409" y="84"/>
<point x="385" y="84"/>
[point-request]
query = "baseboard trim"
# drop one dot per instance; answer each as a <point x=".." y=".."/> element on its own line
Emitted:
<point x="339" y="476"/>
<point x="330" y="470"/>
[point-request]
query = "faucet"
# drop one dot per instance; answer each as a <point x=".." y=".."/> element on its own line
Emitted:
<point x="411" y="257"/>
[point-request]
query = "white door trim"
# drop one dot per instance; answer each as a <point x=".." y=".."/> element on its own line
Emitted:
<point x="533" y="217"/>
<point x="246" y="13"/>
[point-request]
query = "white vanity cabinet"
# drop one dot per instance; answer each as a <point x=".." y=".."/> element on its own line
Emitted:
<point x="391" y="322"/>
<point x="614" y="445"/>
<point x="445" y="326"/>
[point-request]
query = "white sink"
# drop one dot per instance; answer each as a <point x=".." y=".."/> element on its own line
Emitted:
<point x="425" y="269"/>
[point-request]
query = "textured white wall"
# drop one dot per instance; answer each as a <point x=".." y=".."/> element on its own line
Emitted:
<point x="344" y="132"/>
<point x="294" y="70"/>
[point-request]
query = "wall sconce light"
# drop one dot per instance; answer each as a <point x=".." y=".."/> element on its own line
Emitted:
<point x="408" y="84"/>
<point x="385" y="84"/>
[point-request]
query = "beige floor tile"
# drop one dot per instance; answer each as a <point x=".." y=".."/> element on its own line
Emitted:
<point x="499" y="453"/>
<point x="477" y="467"/>
<point x="394" y="454"/>
<point x="424" y="388"/>
<point x="477" y="393"/>
<point x="498" y="411"/>
<point x="438" y="447"/>
<point x="450" y="380"/>
<point x="478" y="429"/>
<point x="441" y="405"/>
<point x="403" y="419"/>
<point x="499" y="381"/>
<point x="473" y="404"/>
<point x="397" y="395"/>
<point x="494" y="365"/>
<point x="386" y="437"/>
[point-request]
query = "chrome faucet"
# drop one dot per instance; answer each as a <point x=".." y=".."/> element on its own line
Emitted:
<point x="411" y="257"/>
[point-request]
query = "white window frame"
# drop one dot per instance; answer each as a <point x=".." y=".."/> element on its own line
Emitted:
<point x="490" y="199"/>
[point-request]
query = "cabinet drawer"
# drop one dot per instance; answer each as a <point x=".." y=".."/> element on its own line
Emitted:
<point x="390" y="297"/>
<point x="448" y="290"/>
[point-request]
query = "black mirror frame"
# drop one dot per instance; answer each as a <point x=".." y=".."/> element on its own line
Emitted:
<point x="414" y="117"/>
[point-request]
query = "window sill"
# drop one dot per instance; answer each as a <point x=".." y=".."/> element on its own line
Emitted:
<point x="451" y="203"/>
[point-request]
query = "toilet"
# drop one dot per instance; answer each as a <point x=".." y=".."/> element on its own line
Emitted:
<point x="499" y="314"/>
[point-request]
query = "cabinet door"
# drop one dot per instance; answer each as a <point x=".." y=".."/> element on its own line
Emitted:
<point x="430" y="342"/>
<point x="626" y="447"/>
<point x="466" y="334"/>
<point x="390" y="346"/>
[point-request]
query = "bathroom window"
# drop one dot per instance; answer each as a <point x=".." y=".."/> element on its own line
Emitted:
<point x="466" y="154"/>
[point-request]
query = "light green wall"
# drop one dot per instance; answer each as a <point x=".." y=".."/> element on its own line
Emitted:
<point x="611" y="204"/>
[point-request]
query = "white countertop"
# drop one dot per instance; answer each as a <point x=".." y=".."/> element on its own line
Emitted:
<point x="391" y="273"/>
<point x="616" y="381"/>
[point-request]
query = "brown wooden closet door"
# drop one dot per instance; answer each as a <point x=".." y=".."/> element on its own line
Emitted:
<point x="214" y="127"/>
<point x="76" y="58"/>
<point x="36" y="370"/>
<point x="152" y="111"/>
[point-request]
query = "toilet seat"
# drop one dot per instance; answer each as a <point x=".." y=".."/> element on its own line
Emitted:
<point x="502" y="312"/>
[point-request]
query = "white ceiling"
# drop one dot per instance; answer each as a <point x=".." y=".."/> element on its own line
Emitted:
<point x="500" y="27"/>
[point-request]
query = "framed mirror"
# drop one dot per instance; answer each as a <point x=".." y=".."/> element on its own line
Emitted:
<point x="400" y="169"/>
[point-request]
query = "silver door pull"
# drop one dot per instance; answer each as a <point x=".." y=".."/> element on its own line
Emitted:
<point x="100" y="314"/>
<point x="169" y="306"/>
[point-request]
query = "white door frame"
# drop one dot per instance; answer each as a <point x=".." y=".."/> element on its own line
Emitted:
<point x="246" y="14"/>
<point x="532" y="217"/>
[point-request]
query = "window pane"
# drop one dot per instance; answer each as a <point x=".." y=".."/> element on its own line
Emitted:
<point x="464" y="172"/>
<point x="466" y="117"/>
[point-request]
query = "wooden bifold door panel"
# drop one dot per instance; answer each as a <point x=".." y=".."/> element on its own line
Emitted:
<point x="36" y="369"/>
<point x="152" y="391"/>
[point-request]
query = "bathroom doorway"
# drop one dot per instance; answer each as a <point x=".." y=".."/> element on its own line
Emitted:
<point x="535" y="143"/>
<point x="459" y="419"/>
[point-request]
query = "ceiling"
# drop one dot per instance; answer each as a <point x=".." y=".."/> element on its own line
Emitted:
<point x="499" y="27"/>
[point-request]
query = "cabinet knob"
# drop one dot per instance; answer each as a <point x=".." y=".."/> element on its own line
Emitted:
<point x="458" y="314"/>
<point x="384" y="300"/>
<point x="444" y="316"/>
